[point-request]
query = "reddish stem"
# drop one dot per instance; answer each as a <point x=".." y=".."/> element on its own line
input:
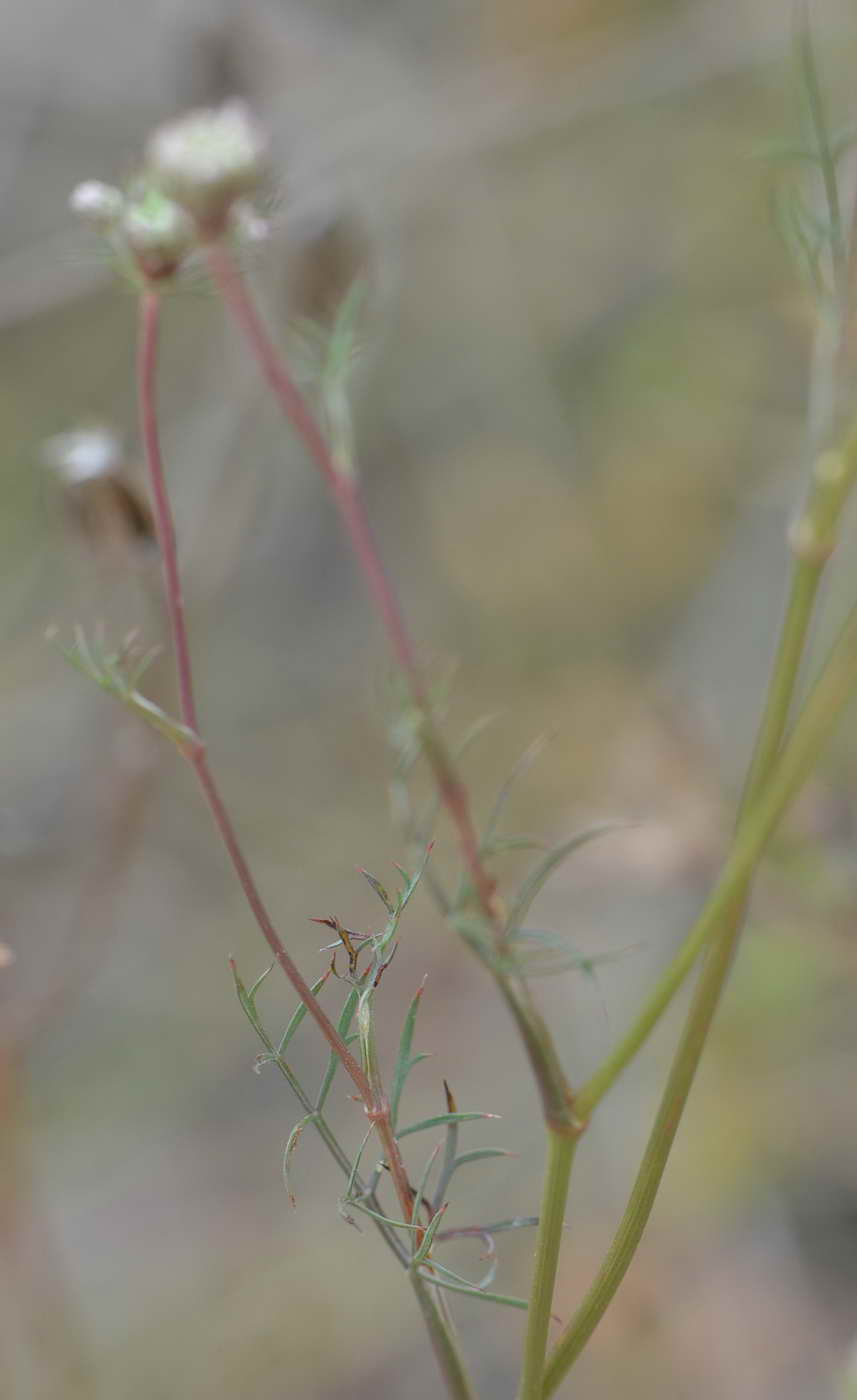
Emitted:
<point x="146" y="366"/>
<point x="346" y="497"/>
<point x="147" y="353"/>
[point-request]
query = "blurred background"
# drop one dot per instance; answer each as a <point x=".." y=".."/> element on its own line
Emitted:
<point x="581" y="420"/>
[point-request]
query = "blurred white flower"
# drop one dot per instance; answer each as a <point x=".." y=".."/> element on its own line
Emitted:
<point x="208" y="159"/>
<point x="96" y="203"/>
<point x="83" y="454"/>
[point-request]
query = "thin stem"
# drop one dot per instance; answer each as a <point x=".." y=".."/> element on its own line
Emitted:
<point x="260" y="913"/>
<point x="344" y="490"/>
<point x="346" y="497"/>
<point x="316" y="1116"/>
<point x="557" y="1174"/>
<point x="726" y="901"/>
<point x="813" y="538"/>
<point x="652" y="1167"/>
<point x="832" y="690"/>
<point x="803" y="592"/>
<point x="825" y="154"/>
<point x="443" y="1340"/>
<point x="375" y="1102"/>
<point x="435" y="1314"/>
<point x="147" y="354"/>
<point x="146" y="369"/>
<point x="381" y="1114"/>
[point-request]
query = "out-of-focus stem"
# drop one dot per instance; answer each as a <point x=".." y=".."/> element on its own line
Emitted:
<point x="557" y="1174"/>
<point x="344" y="490"/>
<point x="375" y="1104"/>
<point x="722" y="918"/>
<point x="146" y="370"/>
<point x="813" y="539"/>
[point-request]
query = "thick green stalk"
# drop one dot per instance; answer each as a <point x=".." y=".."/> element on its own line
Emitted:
<point x="812" y="728"/>
<point x="561" y="1150"/>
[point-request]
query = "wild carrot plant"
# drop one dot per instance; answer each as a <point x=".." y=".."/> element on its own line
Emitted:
<point x="191" y="202"/>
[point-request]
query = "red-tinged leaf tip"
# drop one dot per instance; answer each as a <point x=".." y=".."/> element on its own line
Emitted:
<point x="232" y="964"/>
<point x="451" y="1106"/>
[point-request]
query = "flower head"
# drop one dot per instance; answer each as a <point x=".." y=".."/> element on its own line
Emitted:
<point x="207" y="160"/>
<point x="157" y="232"/>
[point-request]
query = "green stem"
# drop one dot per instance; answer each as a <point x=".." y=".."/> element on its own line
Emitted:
<point x="557" y="1173"/>
<point x="436" y="1318"/>
<point x="812" y="728"/>
<point x="347" y="498"/>
<point x="327" y="1135"/>
<point x="754" y="831"/>
<point x="806" y="578"/>
<point x="558" y="1103"/>
<point x="813" y="538"/>
<point x="652" y="1167"/>
<point x="444" y="1341"/>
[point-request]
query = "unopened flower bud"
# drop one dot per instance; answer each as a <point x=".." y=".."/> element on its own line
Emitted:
<point x="98" y="204"/>
<point x="158" y="233"/>
<point x="207" y="160"/>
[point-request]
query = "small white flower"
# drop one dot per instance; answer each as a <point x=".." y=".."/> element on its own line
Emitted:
<point x="98" y="204"/>
<point x="83" y="454"/>
<point x="157" y="232"/>
<point x="209" y="159"/>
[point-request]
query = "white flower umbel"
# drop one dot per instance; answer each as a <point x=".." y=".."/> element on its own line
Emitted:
<point x="207" y="160"/>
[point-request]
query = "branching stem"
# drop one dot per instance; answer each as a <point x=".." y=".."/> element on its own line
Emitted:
<point x="146" y="370"/>
<point x="375" y="1102"/>
<point x="345" y="493"/>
